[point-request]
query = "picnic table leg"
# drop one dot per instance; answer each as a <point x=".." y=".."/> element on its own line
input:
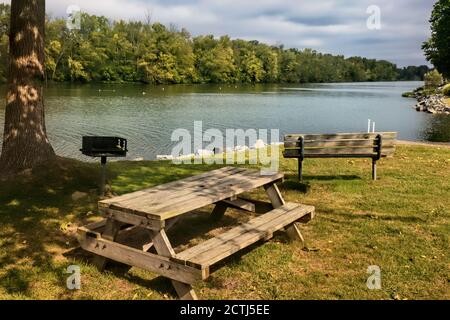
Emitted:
<point x="164" y="248"/>
<point x="219" y="211"/>
<point x="149" y="244"/>
<point x="112" y="228"/>
<point x="294" y="233"/>
<point x="184" y="291"/>
<point x="277" y="201"/>
<point x="274" y="195"/>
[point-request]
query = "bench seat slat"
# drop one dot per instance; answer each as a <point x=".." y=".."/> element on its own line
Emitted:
<point x="338" y="151"/>
<point x="337" y="143"/>
<point x="353" y="155"/>
<point x="295" y="155"/>
<point x="262" y="227"/>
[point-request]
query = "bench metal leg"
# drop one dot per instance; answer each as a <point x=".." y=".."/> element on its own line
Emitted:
<point x="300" y="169"/>
<point x="374" y="169"/>
<point x="164" y="248"/>
<point x="110" y="233"/>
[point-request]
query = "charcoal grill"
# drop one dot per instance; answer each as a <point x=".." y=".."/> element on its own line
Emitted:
<point x="103" y="148"/>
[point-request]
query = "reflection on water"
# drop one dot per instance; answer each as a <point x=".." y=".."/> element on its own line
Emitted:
<point x="147" y="115"/>
<point x="438" y="128"/>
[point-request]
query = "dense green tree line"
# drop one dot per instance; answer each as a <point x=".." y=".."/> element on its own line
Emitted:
<point x="413" y="73"/>
<point x="153" y="53"/>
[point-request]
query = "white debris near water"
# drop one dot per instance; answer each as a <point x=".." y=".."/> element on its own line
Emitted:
<point x="259" y="144"/>
<point x="165" y="157"/>
<point x="204" y="153"/>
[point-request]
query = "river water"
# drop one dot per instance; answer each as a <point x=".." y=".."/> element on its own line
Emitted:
<point x="147" y="115"/>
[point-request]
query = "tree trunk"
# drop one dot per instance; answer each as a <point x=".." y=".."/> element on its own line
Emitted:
<point x="25" y="142"/>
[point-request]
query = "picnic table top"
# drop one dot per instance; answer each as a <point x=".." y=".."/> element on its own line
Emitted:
<point x="178" y="197"/>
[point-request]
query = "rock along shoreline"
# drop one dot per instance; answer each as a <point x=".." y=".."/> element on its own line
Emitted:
<point x="434" y="104"/>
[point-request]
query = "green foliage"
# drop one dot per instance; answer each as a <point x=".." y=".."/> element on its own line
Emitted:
<point x="446" y="90"/>
<point x="153" y="53"/>
<point x="408" y="94"/>
<point x="437" y="47"/>
<point x="425" y="91"/>
<point x="413" y="73"/>
<point x="433" y="79"/>
<point x="214" y="60"/>
<point x="251" y="68"/>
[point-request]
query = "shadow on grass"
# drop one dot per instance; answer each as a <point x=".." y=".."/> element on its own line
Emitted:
<point x="36" y="208"/>
<point x="196" y="225"/>
<point x="158" y="284"/>
<point x="302" y="187"/>
<point x="332" y="177"/>
<point x="261" y="207"/>
<point x="33" y="206"/>
<point x="292" y="182"/>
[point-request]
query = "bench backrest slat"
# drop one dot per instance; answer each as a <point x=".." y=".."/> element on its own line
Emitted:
<point x="342" y="136"/>
<point x="339" y="144"/>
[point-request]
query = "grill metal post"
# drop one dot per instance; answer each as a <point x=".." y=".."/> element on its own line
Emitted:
<point x="301" y="158"/>
<point x="104" y="147"/>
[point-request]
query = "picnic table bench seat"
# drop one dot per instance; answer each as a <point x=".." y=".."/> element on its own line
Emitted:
<point x="209" y="252"/>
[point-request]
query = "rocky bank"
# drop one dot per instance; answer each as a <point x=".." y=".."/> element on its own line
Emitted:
<point x="432" y="104"/>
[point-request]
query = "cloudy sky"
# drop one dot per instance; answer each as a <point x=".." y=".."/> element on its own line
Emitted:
<point x="332" y="26"/>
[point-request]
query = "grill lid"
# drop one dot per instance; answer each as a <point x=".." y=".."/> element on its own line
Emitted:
<point x="100" y="146"/>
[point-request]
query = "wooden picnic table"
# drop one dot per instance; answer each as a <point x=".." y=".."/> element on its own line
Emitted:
<point x="157" y="209"/>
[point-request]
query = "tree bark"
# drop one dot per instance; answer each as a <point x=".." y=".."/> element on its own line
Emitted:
<point x="25" y="142"/>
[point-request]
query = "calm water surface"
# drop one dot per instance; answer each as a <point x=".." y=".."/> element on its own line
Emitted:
<point x="147" y="115"/>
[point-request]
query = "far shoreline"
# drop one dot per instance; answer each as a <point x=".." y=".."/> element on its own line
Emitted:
<point x="113" y="83"/>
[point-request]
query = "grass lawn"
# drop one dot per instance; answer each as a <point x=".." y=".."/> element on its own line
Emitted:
<point x="400" y="222"/>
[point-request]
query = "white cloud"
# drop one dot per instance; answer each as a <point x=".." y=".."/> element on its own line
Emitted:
<point x="311" y="43"/>
<point x="335" y="26"/>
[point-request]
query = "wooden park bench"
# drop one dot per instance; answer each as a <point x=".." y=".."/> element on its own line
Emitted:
<point x="155" y="210"/>
<point x="340" y="145"/>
